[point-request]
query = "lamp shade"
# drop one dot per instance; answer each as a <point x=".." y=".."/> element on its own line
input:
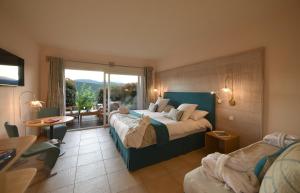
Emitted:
<point x="35" y="104"/>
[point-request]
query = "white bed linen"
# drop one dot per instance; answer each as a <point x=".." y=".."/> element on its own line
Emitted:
<point x="176" y="129"/>
<point x="196" y="181"/>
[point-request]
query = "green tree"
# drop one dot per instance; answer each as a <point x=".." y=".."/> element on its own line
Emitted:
<point x="85" y="98"/>
<point x="70" y="92"/>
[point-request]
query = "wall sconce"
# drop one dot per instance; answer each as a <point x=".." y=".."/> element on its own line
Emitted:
<point x="219" y="100"/>
<point x="156" y="91"/>
<point x="226" y="89"/>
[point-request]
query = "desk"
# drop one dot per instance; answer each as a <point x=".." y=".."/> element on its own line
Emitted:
<point x="43" y="122"/>
<point x="21" y="144"/>
<point x="16" y="181"/>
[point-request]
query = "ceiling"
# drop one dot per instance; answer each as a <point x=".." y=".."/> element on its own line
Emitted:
<point x="148" y="29"/>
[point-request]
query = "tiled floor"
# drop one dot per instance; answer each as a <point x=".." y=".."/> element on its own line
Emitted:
<point x="92" y="164"/>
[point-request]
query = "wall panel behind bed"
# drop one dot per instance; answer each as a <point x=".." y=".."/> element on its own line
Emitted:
<point x="247" y="69"/>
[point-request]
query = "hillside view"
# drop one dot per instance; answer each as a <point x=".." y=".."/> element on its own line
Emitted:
<point x="86" y="93"/>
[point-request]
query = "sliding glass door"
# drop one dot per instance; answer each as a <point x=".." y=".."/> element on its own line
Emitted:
<point x="92" y="94"/>
<point x="84" y="97"/>
<point x="123" y="90"/>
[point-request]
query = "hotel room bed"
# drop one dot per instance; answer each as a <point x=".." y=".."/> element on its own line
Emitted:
<point x="183" y="136"/>
<point x="176" y="129"/>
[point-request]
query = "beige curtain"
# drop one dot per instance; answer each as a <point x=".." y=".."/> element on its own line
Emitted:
<point x="148" y="86"/>
<point x="56" y="86"/>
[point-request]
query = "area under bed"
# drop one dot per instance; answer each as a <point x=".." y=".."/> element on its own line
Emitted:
<point x="136" y="158"/>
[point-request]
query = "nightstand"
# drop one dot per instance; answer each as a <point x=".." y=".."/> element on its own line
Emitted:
<point x="222" y="144"/>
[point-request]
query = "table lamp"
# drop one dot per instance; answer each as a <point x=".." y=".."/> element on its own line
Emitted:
<point x="33" y="104"/>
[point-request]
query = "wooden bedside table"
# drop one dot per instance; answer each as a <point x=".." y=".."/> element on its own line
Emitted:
<point x="214" y="143"/>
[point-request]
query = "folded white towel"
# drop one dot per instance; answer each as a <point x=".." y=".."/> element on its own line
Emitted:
<point x="280" y="139"/>
<point x="233" y="172"/>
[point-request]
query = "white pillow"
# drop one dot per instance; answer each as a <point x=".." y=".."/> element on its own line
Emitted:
<point x="162" y="103"/>
<point x="175" y="114"/>
<point x="188" y="110"/>
<point x="152" y="107"/>
<point x="168" y="108"/>
<point x="198" y="114"/>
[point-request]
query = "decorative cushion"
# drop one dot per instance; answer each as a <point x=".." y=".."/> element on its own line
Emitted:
<point x="168" y="108"/>
<point x="162" y="103"/>
<point x="265" y="163"/>
<point x="188" y="110"/>
<point x="198" y="114"/>
<point x="284" y="174"/>
<point x="152" y="107"/>
<point x="174" y="114"/>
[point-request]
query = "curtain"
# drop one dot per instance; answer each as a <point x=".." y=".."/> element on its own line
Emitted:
<point x="148" y="86"/>
<point x="56" y="85"/>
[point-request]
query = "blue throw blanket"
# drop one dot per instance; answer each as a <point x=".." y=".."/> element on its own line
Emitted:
<point x="161" y="130"/>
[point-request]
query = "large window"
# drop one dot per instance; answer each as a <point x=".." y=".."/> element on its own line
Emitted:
<point x="123" y="90"/>
<point x="91" y="91"/>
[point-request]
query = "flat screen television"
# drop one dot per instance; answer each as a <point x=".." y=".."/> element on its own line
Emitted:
<point x="11" y="69"/>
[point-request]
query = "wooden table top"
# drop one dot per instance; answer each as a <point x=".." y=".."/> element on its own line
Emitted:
<point x="21" y="144"/>
<point x="16" y="181"/>
<point x="43" y="121"/>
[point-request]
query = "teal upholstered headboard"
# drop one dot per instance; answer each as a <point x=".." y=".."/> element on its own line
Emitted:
<point x="204" y="100"/>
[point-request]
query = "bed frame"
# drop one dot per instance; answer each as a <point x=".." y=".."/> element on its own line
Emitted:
<point x="136" y="158"/>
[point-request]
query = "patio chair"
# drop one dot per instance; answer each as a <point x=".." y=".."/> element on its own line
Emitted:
<point x="73" y="112"/>
<point x="51" y="151"/>
<point x="59" y="131"/>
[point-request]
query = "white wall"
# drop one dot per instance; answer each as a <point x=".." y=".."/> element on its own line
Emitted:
<point x="272" y="24"/>
<point x="13" y="40"/>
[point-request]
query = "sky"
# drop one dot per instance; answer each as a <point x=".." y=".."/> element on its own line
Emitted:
<point x="9" y="71"/>
<point x="99" y="76"/>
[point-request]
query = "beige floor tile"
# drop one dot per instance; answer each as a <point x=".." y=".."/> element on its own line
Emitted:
<point x="89" y="148"/>
<point x="71" y="139"/>
<point x="73" y="151"/>
<point x="179" y="174"/>
<point x="122" y="180"/>
<point x="95" y="185"/>
<point x="100" y="168"/>
<point x="88" y="158"/>
<point x="175" y="164"/>
<point x="90" y="171"/>
<point x="135" y="189"/>
<point x="105" y="138"/>
<point x="65" y="163"/>
<point x="114" y="164"/>
<point x="194" y="157"/>
<point x="102" y="131"/>
<point x="164" y="184"/>
<point x="87" y="136"/>
<point x="70" y="144"/>
<point x="66" y="189"/>
<point x="110" y="153"/>
<point x="89" y="141"/>
<point x="107" y="145"/>
<point x="151" y="172"/>
<point x="62" y="179"/>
